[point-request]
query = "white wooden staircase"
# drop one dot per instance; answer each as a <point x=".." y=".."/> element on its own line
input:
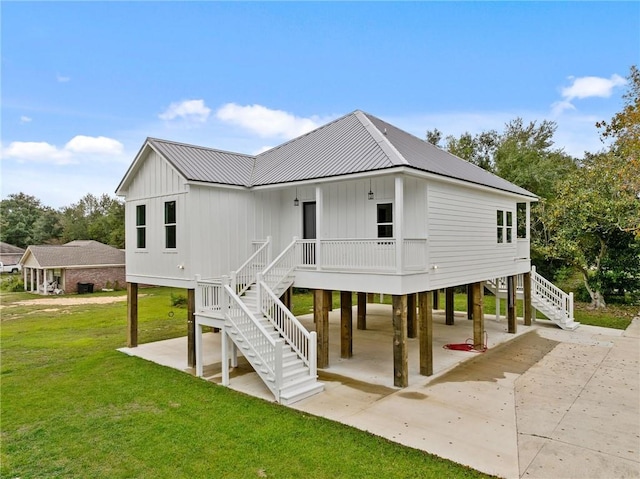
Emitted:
<point x="547" y="298"/>
<point x="249" y="313"/>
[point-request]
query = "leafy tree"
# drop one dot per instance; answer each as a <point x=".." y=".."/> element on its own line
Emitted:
<point x="434" y="136"/>
<point x="97" y="218"/>
<point x="19" y="215"/>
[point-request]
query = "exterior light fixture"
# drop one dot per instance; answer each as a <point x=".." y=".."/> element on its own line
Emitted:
<point x="296" y="202"/>
<point x="370" y="195"/>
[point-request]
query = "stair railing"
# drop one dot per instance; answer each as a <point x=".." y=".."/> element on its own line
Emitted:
<point x="286" y="262"/>
<point x="302" y="342"/>
<point x="256" y="342"/>
<point x="551" y="294"/>
<point x="245" y="276"/>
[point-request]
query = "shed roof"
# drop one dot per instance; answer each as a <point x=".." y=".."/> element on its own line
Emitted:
<point x="355" y="143"/>
<point x="75" y="253"/>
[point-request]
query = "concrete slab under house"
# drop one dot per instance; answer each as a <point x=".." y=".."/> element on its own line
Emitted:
<point x="356" y="206"/>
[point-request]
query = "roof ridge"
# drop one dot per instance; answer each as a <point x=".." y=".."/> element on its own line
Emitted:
<point x="189" y="145"/>
<point x="381" y="139"/>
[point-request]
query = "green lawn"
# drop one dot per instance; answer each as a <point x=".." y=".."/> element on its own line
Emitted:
<point x="72" y="406"/>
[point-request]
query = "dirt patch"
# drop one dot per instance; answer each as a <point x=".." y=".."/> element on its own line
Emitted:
<point x="68" y="301"/>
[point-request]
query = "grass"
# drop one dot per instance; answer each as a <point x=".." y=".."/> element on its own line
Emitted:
<point x="73" y="406"/>
<point x="615" y="316"/>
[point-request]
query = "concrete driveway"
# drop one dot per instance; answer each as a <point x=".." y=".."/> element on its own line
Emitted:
<point x="544" y="403"/>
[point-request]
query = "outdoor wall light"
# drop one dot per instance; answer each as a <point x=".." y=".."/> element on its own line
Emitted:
<point x="296" y="202"/>
<point x="370" y="195"/>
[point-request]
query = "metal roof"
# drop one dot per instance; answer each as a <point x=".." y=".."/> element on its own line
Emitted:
<point x="355" y="143"/>
<point x="198" y="163"/>
<point x="75" y="253"/>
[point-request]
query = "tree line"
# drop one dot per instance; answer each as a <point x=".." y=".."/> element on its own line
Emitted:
<point x="588" y="217"/>
<point x="25" y="221"/>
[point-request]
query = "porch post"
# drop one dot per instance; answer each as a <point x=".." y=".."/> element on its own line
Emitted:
<point x="526" y="284"/>
<point x="448" y="306"/>
<point x="191" y="328"/>
<point x="44" y="283"/>
<point x="362" y="310"/>
<point x="319" y="210"/>
<point x="511" y="304"/>
<point x="478" y="315"/>
<point x="400" y="362"/>
<point x="398" y="221"/>
<point x="412" y="330"/>
<point x="426" y="332"/>
<point x="346" y="324"/>
<point x="321" y="314"/>
<point x="469" y="302"/>
<point x="132" y="315"/>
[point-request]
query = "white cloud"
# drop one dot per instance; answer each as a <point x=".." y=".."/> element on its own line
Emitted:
<point x="62" y="78"/>
<point x="75" y="150"/>
<point x="586" y="87"/>
<point x="266" y="122"/>
<point x="193" y="110"/>
<point x="25" y="119"/>
<point x="100" y="145"/>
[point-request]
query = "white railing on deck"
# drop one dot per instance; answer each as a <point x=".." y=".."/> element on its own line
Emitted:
<point x="208" y="296"/>
<point x="415" y="254"/>
<point x="359" y="254"/>
<point x="245" y="276"/>
<point x="252" y="335"/>
<point x="306" y="253"/>
<point x="302" y="342"/>
<point x="549" y="292"/>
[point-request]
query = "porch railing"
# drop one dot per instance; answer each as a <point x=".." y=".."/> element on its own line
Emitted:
<point x="209" y="294"/>
<point x="414" y="254"/>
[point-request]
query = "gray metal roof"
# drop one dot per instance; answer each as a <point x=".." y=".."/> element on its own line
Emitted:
<point x="355" y="143"/>
<point x="75" y="253"/>
<point x="198" y="163"/>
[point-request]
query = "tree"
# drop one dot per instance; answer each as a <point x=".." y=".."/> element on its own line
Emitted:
<point x="434" y="136"/>
<point x="594" y="220"/>
<point x="22" y="219"/>
<point x="97" y="218"/>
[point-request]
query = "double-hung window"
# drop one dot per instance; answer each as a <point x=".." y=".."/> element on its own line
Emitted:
<point x="385" y="220"/>
<point x="170" y="224"/>
<point x="141" y="226"/>
<point x="504" y="228"/>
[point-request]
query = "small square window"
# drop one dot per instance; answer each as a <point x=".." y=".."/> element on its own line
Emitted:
<point x="384" y="219"/>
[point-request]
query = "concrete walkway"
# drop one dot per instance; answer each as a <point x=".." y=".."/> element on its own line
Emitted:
<point x="543" y="403"/>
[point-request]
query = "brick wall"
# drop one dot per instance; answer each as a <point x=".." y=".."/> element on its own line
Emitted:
<point x="97" y="276"/>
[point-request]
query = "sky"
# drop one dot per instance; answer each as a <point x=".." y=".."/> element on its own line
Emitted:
<point x="84" y="83"/>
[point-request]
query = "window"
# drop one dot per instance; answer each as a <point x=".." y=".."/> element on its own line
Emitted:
<point x="385" y="220"/>
<point x="504" y="229"/>
<point x="170" y="224"/>
<point x="141" y="226"/>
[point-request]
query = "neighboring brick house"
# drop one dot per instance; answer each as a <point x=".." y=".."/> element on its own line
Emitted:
<point x="49" y="269"/>
<point x="10" y="254"/>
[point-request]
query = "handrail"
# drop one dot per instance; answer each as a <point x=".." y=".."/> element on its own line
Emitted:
<point x="301" y="341"/>
<point x="285" y="263"/>
<point x="255" y="336"/>
<point x="245" y="276"/>
<point x="546" y="289"/>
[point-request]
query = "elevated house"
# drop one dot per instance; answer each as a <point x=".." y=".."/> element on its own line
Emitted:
<point x="357" y="205"/>
<point x="77" y="266"/>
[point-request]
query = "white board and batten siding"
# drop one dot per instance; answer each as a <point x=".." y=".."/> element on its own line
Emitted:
<point x="463" y="246"/>
<point x="155" y="183"/>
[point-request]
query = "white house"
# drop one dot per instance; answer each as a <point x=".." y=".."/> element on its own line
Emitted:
<point x="357" y="205"/>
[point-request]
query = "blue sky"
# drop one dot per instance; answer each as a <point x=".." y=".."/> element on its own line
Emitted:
<point x="84" y="83"/>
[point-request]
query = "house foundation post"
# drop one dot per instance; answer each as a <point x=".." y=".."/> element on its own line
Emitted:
<point x="425" y="320"/>
<point x="346" y="324"/>
<point x="371" y="297"/>
<point x="448" y="293"/>
<point x="511" y="304"/>
<point x="191" y="328"/>
<point x="528" y="310"/>
<point x="469" y="302"/>
<point x="362" y="311"/>
<point x="321" y="304"/>
<point x="436" y="299"/>
<point x="132" y="315"/>
<point x="412" y="327"/>
<point x="286" y="298"/>
<point x="478" y="315"/>
<point x="400" y="362"/>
